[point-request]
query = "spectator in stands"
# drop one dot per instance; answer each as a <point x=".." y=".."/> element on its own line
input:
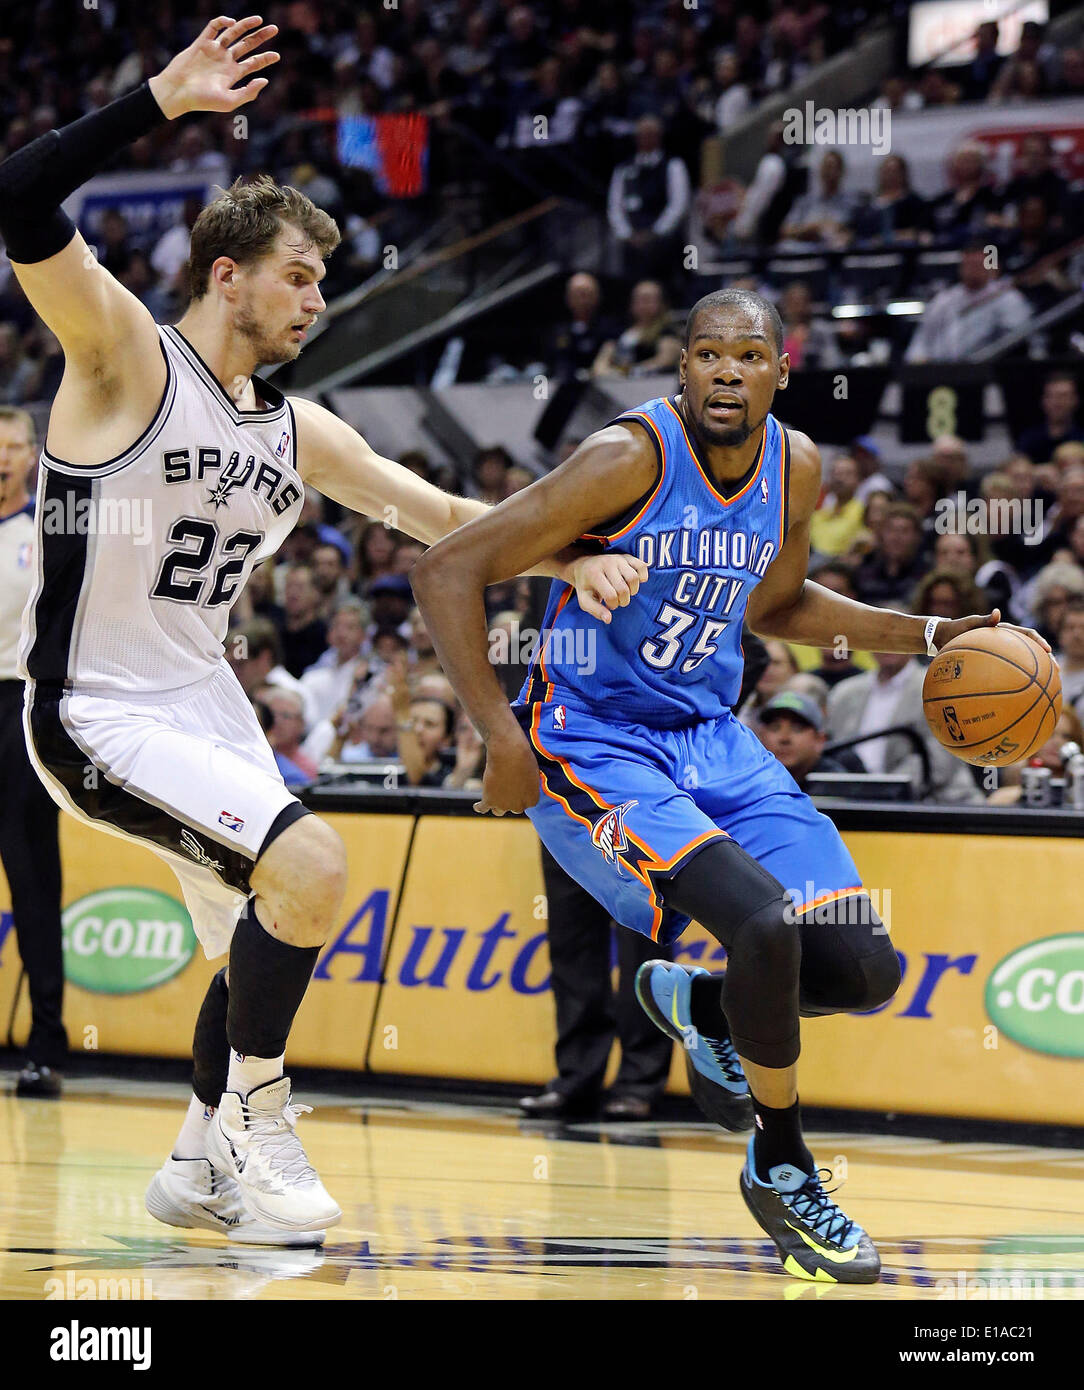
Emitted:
<point x="576" y="341"/>
<point x="873" y="521"/>
<point x="358" y="733"/>
<point x="823" y="216"/>
<point x="888" y="696"/>
<point x="304" y="633"/>
<point x="781" y="666"/>
<point x="792" y="728"/>
<point x="286" y="734"/>
<point x="1036" y="177"/>
<point x="1032" y="53"/>
<point x="605" y="125"/>
<point x="114" y="246"/>
<point x="423" y="656"/>
<point x="647" y="205"/>
<point x="169" y="258"/>
<point x="519" y="52"/>
<point x="1048" y="594"/>
<point x="253" y="650"/>
<point x="724" y="100"/>
<point x="980" y="74"/>
<point x="895" y="567"/>
<point x="18" y="373"/>
<point x="834" y="525"/>
<point x="867" y="454"/>
<point x="1069" y="653"/>
<point x="390" y="600"/>
<point x="1059" y="403"/>
<point x="971" y="315"/>
<point x="547" y="97"/>
<point x="1028" y="244"/>
<point x="1067" y="730"/>
<point x="970" y="207"/>
<point x="779" y="178"/>
<point x="409" y="551"/>
<point x="948" y="593"/>
<point x="648" y="345"/>
<point x="376" y="551"/>
<point x="489" y="473"/>
<point x="329" y="680"/>
<point x="923" y="485"/>
<point x="330" y="577"/>
<point x="810" y="340"/>
<point x="426" y="729"/>
<point x="896" y="215"/>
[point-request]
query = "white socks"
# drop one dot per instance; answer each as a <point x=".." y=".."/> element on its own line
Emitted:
<point x="192" y="1140"/>
<point x="246" y="1073"/>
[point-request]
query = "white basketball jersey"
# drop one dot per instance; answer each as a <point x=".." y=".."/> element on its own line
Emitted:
<point x="141" y="558"/>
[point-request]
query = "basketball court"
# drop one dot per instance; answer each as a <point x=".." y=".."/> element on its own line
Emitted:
<point x="447" y="1200"/>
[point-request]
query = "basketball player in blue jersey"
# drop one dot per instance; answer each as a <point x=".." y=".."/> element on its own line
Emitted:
<point x="624" y="753"/>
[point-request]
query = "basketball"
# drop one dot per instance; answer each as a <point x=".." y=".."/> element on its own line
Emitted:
<point x="992" y="696"/>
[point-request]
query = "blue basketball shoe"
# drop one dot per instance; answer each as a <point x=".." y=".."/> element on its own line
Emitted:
<point x="814" y="1238"/>
<point x="716" y="1079"/>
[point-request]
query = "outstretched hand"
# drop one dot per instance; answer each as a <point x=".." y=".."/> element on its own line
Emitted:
<point x="955" y="627"/>
<point x="204" y="76"/>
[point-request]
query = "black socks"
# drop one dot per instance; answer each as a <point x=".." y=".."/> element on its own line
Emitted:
<point x="268" y="980"/>
<point x="778" y="1139"/>
<point x="210" y="1050"/>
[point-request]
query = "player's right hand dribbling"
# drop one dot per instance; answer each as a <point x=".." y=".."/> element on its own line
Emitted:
<point x="511" y="780"/>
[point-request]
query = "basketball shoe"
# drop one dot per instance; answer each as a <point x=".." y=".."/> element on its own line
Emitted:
<point x="814" y="1238"/>
<point x="716" y="1079"/>
<point x="253" y="1142"/>
<point x="188" y="1192"/>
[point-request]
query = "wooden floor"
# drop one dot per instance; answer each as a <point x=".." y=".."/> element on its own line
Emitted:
<point x="459" y="1202"/>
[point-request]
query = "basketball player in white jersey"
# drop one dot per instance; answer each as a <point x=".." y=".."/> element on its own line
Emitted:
<point x="169" y="471"/>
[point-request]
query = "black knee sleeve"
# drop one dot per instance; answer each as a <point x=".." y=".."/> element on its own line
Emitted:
<point x="746" y="910"/>
<point x="849" y="964"/>
<point x="760" y="996"/>
<point x="268" y="980"/>
<point x="210" y="1050"/>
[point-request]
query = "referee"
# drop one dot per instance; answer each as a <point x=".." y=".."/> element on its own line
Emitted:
<point x="29" y="847"/>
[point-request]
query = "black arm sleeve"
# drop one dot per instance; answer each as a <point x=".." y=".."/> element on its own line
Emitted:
<point x="36" y="179"/>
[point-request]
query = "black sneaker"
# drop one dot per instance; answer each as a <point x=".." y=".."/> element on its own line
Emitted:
<point x="34" y="1081"/>
<point x="814" y="1238"/>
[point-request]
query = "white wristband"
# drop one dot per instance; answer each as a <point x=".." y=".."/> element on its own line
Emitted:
<point x="928" y="632"/>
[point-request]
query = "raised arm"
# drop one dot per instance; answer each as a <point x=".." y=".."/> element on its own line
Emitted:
<point x="109" y="339"/>
<point x="608" y="473"/>
<point x="335" y="459"/>
<point x="788" y="606"/>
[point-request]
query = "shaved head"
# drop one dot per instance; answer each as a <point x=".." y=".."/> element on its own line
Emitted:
<point x="755" y="305"/>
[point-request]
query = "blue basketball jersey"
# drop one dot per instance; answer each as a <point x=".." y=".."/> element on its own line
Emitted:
<point x="673" y="657"/>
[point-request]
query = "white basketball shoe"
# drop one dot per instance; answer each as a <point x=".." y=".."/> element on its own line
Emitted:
<point x="253" y="1142"/>
<point x="189" y="1193"/>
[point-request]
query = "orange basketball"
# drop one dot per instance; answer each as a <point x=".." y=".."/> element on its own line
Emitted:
<point x="992" y="696"/>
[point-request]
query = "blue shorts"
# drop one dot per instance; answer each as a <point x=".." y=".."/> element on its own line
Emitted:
<point x="623" y="806"/>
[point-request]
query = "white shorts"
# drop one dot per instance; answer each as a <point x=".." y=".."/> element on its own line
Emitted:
<point x="189" y="773"/>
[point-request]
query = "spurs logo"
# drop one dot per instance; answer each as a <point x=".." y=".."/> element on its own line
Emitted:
<point x="608" y="834"/>
<point x="198" y="853"/>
